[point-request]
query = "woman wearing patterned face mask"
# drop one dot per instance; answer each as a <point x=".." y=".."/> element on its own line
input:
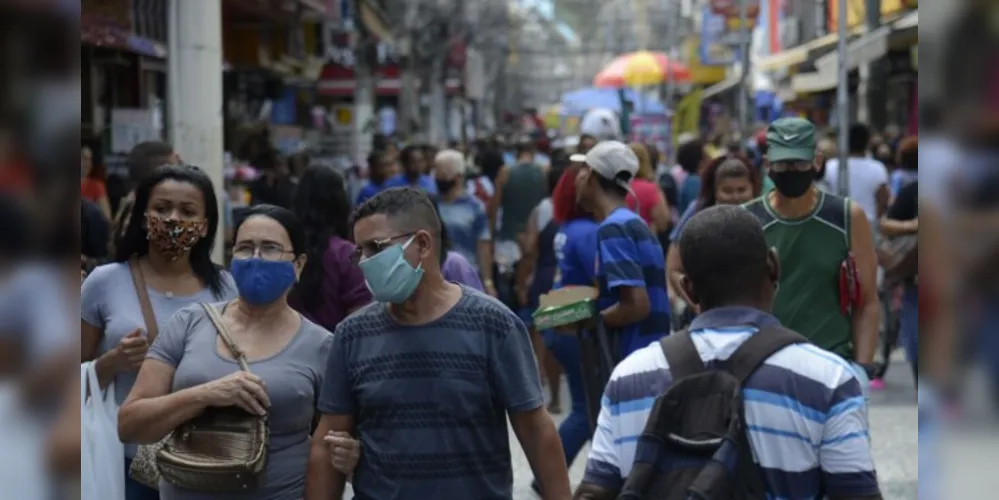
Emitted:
<point x="190" y="368"/>
<point x="168" y="244"/>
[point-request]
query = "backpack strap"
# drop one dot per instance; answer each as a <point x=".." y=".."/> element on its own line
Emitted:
<point x="760" y="346"/>
<point x="681" y="354"/>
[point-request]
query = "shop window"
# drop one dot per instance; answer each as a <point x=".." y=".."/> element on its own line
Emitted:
<point x="149" y="19"/>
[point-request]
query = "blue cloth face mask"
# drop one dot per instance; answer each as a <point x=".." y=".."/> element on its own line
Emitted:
<point x="389" y="277"/>
<point x="262" y="281"/>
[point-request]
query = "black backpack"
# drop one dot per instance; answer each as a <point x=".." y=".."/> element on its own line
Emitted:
<point x="694" y="446"/>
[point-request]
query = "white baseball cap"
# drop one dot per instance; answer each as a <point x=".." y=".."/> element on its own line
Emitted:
<point x="578" y="158"/>
<point x="611" y="158"/>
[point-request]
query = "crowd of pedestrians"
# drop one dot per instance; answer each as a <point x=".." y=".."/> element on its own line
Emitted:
<point x="388" y="330"/>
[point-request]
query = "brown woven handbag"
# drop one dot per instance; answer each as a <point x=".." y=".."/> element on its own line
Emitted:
<point x="223" y="450"/>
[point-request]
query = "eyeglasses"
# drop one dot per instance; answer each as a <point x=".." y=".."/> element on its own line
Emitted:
<point x="374" y="247"/>
<point x="267" y="251"/>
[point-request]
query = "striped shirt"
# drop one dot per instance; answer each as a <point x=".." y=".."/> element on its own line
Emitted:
<point x="805" y="412"/>
<point x="629" y="255"/>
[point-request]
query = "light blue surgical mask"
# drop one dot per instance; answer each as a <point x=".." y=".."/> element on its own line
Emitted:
<point x="389" y="277"/>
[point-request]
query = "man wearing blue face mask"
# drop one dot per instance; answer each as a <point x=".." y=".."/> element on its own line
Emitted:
<point x="426" y="375"/>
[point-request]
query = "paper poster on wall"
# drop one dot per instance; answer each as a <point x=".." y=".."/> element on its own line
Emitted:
<point x="131" y="126"/>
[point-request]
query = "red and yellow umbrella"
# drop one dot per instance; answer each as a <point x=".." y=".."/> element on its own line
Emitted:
<point x="641" y="68"/>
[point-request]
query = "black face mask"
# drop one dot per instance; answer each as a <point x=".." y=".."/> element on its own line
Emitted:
<point x="793" y="184"/>
<point x="445" y="186"/>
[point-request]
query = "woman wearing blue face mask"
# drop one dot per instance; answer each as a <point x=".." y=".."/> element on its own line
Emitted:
<point x="189" y="368"/>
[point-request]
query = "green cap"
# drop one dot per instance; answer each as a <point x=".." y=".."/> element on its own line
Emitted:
<point x="791" y="139"/>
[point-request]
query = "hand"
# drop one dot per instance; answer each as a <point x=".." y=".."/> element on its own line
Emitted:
<point x="490" y="288"/>
<point x="241" y="389"/>
<point x="345" y="449"/>
<point x="129" y="354"/>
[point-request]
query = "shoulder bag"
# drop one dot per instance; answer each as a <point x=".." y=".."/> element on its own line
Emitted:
<point x="143" y="467"/>
<point x="223" y="450"/>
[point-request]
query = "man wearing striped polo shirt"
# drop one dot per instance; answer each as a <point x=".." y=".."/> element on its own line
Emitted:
<point x="631" y="268"/>
<point x="804" y="406"/>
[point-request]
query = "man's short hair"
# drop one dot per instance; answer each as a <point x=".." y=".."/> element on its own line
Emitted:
<point x="406" y="155"/>
<point x="724" y="255"/>
<point x="450" y="161"/>
<point x="145" y="157"/>
<point x="407" y="209"/>
<point x="859" y="138"/>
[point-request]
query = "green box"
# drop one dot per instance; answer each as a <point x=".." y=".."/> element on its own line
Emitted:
<point x="566" y="314"/>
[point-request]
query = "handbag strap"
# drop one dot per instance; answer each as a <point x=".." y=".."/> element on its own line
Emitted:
<point x="213" y="315"/>
<point x="152" y="329"/>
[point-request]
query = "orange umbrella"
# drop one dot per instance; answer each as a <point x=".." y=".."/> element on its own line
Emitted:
<point x="639" y="69"/>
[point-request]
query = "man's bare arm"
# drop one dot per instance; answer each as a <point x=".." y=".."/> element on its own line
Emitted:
<point x="322" y="480"/>
<point x="539" y="439"/>
<point x="867" y="316"/>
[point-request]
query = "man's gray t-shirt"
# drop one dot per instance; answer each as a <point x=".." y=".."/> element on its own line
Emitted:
<point x="430" y="401"/>
<point x="108" y="302"/>
<point x="293" y="377"/>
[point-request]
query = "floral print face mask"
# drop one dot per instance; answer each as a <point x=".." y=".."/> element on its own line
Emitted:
<point x="173" y="238"/>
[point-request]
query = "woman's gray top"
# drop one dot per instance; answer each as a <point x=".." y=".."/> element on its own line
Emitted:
<point x="293" y="377"/>
<point x="108" y="301"/>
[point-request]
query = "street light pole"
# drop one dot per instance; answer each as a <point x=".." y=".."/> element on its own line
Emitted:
<point x="843" y="101"/>
<point x="672" y="42"/>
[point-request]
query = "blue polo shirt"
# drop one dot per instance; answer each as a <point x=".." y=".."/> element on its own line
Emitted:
<point x="629" y="255"/>
<point x="369" y="190"/>
<point x="424" y="182"/>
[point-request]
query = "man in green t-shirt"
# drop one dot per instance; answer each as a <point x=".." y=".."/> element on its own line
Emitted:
<point x="819" y="237"/>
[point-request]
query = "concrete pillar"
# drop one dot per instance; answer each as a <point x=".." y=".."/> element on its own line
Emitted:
<point x="194" y="92"/>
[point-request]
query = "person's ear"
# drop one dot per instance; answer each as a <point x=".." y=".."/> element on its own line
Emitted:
<point x="300" y="266"/>
<point x="425" y="244"/>
<point x="688" y="287"/>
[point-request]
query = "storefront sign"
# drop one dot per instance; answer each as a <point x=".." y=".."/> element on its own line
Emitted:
<point x="731" y="8"/>
<point x="857" y="12"/>
<point x="714" y="51"/>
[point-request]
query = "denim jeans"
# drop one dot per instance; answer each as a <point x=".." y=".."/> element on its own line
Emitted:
<point x="135" y="490"/>
<point x="910" y="326"/>
<point x="575" y="429"/>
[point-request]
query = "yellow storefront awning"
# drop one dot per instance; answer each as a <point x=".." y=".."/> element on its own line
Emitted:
<point x="796" y="55"/>
<point x="813" y="82"/>
<point x="729" y="82"/>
